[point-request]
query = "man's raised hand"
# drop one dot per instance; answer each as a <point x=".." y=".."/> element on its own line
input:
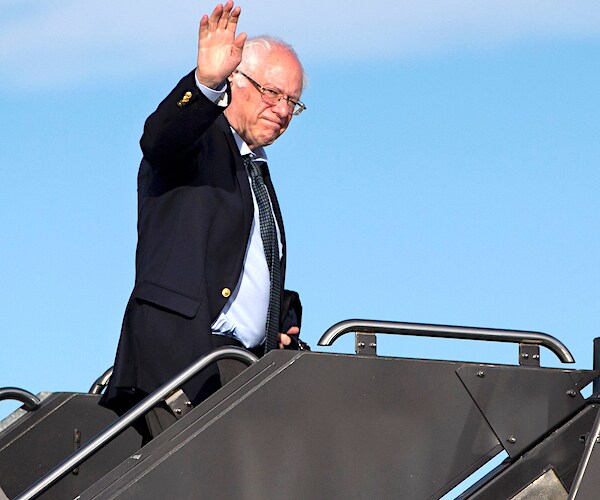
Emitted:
<point x="219" y="50"/>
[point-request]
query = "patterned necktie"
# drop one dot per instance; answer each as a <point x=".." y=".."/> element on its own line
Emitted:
<point x="268" y="234"/>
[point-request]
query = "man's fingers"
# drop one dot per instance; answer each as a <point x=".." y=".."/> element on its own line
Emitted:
<point x="225" y="15"/>
<point x="203" y="27"/>
<point x="240" y="40"/>
<point x="234" y="17"/>
<point x="219" y="49"/>
<point x="213" y="20"/>
<point x="284" y="339"/>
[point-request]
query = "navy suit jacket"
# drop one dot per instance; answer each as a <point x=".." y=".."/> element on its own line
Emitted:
<point x="195" y="213"/>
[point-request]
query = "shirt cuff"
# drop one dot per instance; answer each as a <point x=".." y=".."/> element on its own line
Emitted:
<point x="219" y="96"/>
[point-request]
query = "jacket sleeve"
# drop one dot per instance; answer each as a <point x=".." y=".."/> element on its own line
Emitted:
<point x="291" y="315"/>
<point x="173" y="134"/>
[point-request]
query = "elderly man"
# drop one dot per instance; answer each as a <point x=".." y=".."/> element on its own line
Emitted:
<point x="210" y="261"/>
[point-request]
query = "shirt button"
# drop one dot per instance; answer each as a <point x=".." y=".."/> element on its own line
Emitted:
<point x="226" y="292"/>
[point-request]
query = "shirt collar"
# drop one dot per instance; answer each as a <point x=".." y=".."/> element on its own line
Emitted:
<point x="258" y="154"/>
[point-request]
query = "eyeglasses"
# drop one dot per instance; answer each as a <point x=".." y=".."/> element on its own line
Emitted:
<point x="273" y="97"/>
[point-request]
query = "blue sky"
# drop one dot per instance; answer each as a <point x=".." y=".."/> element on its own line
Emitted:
<point x="446" y="171"/>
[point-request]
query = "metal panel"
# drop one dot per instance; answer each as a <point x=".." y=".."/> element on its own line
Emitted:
<point x="314" y="425"/>
<point x="529" y="355"/>
<point x="589" y="488"/>
<point x="39" y="440"/>
<point x="561" y="451"/>
<point x="522" y="405"/>
<point x="585" y="485"/>
<point x="547" y="486"/>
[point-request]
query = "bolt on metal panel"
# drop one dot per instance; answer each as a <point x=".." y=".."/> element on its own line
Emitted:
<point x="521" y="404"/>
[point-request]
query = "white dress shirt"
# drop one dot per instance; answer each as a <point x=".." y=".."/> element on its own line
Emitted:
<point x="244" y="316"/>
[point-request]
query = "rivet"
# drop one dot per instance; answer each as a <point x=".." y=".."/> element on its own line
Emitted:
<point x="481" y="373"/>
<point x="572" y="393"/>
<point x="512" y="439"/>
<point x="525" y="355"/>
<point x="188" y="404"/>
<point x="177" y="411"/>
<point x="361" y="344"/>
<point x="373" y="345"/>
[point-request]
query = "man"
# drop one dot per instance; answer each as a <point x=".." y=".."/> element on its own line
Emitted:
<point x="206" y="223"/>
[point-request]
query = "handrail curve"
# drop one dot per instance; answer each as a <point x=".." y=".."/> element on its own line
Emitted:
<point x="30" y="401"/>
<point x="101" y="382"/>
<point x="447" y="331"/>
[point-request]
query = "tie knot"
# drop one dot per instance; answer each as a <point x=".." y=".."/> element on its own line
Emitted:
<point x="253" y="166"/>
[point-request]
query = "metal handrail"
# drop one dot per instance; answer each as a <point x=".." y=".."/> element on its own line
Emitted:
<point x="446" y="331"/>
<point x="137" y="411"/>
<point x="101" y="382"/>
<point x="30" y="402"/>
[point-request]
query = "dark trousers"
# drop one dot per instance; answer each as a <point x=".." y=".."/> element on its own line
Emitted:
<point x="161" y="417"/>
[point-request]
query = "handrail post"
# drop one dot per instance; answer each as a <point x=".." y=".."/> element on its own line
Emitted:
<point x="596" y="385"/>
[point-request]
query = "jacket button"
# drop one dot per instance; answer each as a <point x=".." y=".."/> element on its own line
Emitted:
<point x="226" y="292"/>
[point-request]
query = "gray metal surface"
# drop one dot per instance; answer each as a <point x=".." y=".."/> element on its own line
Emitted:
<point x="122" y="424"/>
<point x="546" y="487"/>
<point x="521" y="405"/>
<point x="38" y="440"/>
<point x="585" y="486"/>
<point x="447" y="331"/>
<point x="19" y="412"/>
<point x="365" y="344"/>
<point x="314" y="425"/>
<point x="561" y="451"/>
<point x="529" y="355"/>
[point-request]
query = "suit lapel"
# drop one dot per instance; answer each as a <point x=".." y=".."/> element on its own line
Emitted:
<point x="240" y="172"/>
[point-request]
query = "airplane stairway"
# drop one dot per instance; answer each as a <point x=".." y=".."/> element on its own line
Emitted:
<point x="300" y="424"/>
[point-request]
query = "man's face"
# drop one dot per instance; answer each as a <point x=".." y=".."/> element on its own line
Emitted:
<point x="257" y="122"/>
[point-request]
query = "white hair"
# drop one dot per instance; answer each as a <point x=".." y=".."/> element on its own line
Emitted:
<point x="256" y="51"/>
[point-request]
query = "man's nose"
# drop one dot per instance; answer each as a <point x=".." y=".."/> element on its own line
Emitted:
<point x="281" y="108"/>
